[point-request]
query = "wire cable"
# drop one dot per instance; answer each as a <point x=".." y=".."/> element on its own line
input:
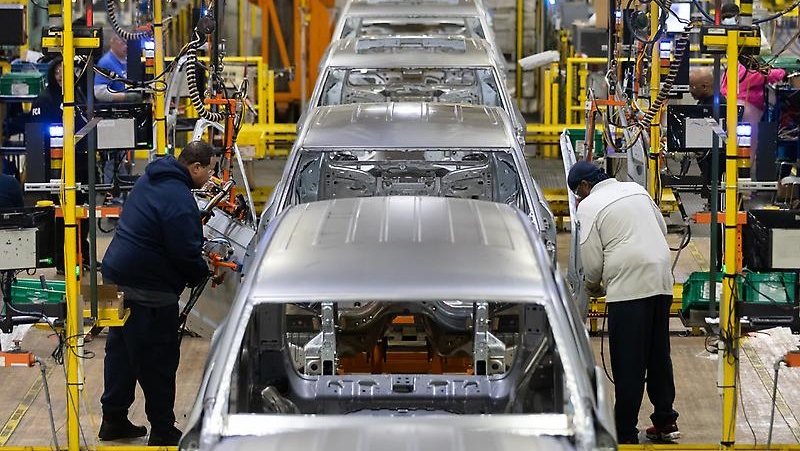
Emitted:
<point x="43" y="369"/>
<point x="124" y="34"/>
<point x="191" y="76"/>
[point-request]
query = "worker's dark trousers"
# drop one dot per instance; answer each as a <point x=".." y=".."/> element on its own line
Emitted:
<point x="639" y="342"/>
<point x="146" y="350"/>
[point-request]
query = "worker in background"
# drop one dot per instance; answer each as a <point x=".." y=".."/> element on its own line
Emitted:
<point x="701" y="87"/>
<point x="625" y="253"/>
<point x="154" y="255"/>
<point x="752" y="83"/>
<point x="48" y="109"/>
<point x="107" y="90"/>
<point x="10" y="192"/>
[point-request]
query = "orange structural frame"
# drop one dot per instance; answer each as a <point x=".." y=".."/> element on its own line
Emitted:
<point x="319" y="21"/>
<point x="704" y="217"/>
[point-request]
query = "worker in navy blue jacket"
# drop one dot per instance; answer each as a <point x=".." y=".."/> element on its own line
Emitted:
<point x="154" y="255"/>
<point x="10" y="192"/>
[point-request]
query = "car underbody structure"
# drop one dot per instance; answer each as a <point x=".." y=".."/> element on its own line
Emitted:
<point x="435" y="357"/>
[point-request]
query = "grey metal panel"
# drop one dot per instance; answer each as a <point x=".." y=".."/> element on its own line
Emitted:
<point x="343" y="54"/>
<point x="399" y="248"/>
<point x="408" y="125"/>
<point x="425" y="433"/>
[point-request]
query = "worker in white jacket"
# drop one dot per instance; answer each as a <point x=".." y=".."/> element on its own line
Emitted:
<point x="625" y="254"/>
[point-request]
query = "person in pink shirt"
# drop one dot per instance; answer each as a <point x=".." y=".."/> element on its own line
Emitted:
<point x="752" y="84"/>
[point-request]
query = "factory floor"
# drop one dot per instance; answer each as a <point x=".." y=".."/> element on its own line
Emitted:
<point x="24" y="411"/>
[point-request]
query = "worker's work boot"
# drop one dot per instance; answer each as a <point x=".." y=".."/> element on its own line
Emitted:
<point x="168" y="437"/>
<point x="119" y="428"/>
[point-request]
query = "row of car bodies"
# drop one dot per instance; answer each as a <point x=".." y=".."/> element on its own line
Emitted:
<point x="401" y="290"/>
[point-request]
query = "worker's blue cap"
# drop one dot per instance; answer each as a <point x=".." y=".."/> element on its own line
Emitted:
<point x="583" y="170"/>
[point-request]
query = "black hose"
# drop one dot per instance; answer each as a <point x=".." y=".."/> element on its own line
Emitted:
<point x="191" y="76"/>
<point x="126" y="35"/>
<point x="194" y="296"/>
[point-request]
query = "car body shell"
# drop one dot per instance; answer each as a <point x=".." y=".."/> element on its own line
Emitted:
<point x="411" y="126"/>
<point x="474" y="16"/>
<point x="458" y="250"/>
<point x="408" y="53"/>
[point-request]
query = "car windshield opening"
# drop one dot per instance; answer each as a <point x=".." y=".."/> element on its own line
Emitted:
<point x="476" y="86"/>
<point x="473" y="174"/>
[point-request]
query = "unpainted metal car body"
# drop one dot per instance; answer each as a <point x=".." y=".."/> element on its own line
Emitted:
<point x="402" y="322"/>
<point x="371" y="18"/>
<point x="409" y="148"/>
<point x="447" y="69"/>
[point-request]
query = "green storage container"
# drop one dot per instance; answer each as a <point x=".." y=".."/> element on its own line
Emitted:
<point x="577" y="136"/>
<point x="788" y="63"/>
<point x="30" y="291"/>
<point x="696" y="291"/>
<point x="21" y="84"/>
<point x="770" y="287"/>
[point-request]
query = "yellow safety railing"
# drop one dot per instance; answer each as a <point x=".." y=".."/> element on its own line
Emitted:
<point x="573" y="90"/>
<point x="265" y="136"/>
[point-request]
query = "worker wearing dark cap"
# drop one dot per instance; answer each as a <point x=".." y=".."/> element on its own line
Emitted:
<point x="625" y="254"/>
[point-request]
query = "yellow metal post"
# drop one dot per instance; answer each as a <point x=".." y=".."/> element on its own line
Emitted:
<point x="547" y="97"/>
<point x="262" y="93"/>
<point x="554" y="99"/>
<point x="568" y="94"/>
<point x="655" y="130"/>
<point x="271" y="108"/>
<point x="729" y="327"/>
<point x="74" y="311"/>
<point x="160" y="119"/>
<point x="519" y="28"/>
<point x="271" y="97"/>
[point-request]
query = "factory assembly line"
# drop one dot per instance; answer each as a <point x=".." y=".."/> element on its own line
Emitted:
<point x="402" y="276"/>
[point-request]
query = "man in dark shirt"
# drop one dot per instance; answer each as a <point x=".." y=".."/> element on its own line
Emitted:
<point x="10" y="192"/>
<point x="701" y="87"/>
<point x="154" y="255"/>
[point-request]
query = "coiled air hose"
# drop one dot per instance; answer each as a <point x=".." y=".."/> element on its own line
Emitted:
<point x="191" y="76"/>
<point x="126" y="35"/>
<point x="680" y="52"/>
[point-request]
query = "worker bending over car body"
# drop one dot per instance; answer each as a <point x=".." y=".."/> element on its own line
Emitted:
<point x="625" y="254"/>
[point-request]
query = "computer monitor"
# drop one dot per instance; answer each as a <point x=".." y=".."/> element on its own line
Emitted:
<point x="13" y="32"/>
<point x="30" y="232"/>
<point x="124" y="126"/>
<point x="688" y="128"/>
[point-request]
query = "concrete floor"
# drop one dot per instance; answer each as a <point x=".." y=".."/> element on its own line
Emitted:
<point x="696" y="369"/>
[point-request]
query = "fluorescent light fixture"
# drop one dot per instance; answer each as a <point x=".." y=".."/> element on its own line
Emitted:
<point x="744" y="130"/>
<point x="56" y="131"/>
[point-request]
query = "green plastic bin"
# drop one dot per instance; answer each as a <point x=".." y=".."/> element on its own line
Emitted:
<point x="696" y="291"/>
<point x="21" y="84"/>
<point x="770" y="287"/>
<point x="577" y="136"/>
<point x="30" y="291"/>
